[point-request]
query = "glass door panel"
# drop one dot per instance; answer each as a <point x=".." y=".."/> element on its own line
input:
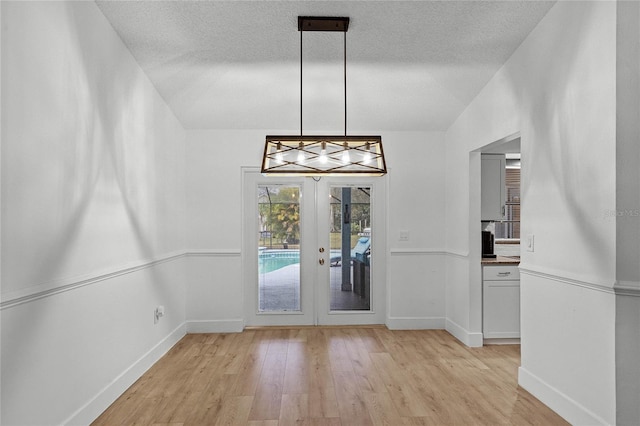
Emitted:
<point x="279" y="262"/>
<point x="351" y="226"/>
<point x="350" y="248"/>
<point x="278" y="248"/>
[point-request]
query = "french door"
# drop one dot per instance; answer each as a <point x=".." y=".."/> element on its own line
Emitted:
<point x="313" y="250"/>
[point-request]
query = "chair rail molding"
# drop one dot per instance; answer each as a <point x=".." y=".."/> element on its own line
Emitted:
<point x="564" y="278"/>
<point x="39" y="291"/>
<point x="395" y="251"/>
<point x="627" y="288"/>
<point x="463" y="254"/>
<point x="214" y="252"/>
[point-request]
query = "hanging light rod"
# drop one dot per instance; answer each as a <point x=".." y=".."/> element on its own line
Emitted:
<point x="312" y="155"/>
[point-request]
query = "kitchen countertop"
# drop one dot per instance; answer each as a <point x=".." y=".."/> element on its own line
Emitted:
<point x="502" y="260"/>
<point x="507" y="241"/>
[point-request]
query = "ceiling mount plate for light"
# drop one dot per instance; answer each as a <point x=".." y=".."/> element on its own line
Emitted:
<point x="323" y="23"/>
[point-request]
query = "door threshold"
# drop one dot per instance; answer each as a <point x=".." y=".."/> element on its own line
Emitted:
<point x="293" y="327"/>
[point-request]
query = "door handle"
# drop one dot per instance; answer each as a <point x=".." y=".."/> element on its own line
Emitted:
<point x="321" y="261"/>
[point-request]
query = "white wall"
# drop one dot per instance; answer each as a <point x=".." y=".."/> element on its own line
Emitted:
<point x="214" y="232"/>
<point x="92" y="215"/>
<point x="416" y="273"/>
<point x="214" y="192"/>
<point x="558" y="90"/>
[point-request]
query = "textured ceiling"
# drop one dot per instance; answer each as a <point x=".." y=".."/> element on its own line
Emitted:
<point x="412" y="65"/>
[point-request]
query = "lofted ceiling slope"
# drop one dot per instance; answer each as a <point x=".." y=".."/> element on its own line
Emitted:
<point x="412" y="65"/>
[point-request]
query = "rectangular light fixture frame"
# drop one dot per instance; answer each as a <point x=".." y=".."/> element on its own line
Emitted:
<point x="313" y="155"/>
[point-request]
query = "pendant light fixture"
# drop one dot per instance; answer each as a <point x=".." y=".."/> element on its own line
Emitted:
<point x="311" y="155"/>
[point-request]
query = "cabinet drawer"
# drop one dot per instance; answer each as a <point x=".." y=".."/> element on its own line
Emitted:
<point x="493" y="273"/>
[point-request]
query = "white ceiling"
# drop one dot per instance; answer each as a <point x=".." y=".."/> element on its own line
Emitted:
<point x="412" y="65"/>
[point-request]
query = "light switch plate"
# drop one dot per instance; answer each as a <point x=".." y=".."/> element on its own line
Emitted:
<point x="529" y="242"/>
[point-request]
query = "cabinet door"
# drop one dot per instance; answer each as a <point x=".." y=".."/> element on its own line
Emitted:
<point x="501" y="309"/>
<point x="493" y="186"/>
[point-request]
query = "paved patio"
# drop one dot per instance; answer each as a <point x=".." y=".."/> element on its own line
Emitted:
<point x="279" y="291"/>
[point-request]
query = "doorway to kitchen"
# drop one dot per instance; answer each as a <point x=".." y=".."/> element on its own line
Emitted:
<point x="494" y="250"/>
<point x="500" y="194"/>
<point x="312" y="250"/>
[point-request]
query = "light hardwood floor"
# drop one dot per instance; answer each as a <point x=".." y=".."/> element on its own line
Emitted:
<point x="330" y="376"/>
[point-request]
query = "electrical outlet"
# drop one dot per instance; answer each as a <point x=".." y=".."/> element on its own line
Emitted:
<point x="404" y="235"/>
<point x="158" y="313"/>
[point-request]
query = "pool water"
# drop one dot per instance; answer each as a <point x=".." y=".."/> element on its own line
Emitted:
<point x="272" y="260"/>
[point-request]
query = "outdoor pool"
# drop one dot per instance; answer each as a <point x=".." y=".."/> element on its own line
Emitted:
<point x="272" y="260"/>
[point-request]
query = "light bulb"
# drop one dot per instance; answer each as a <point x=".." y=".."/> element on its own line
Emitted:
<point x="300" y="153"/>
<point x="367" y="155"/>
<point x="323" y="153"/>
<point x="279" y="157"/>
<point x="346" y="159"/>
<point x="367" y="158"/>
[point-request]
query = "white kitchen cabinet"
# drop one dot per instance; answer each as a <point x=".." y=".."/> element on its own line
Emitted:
<point x="493" y="197"/>
<point x="500" y="302"/>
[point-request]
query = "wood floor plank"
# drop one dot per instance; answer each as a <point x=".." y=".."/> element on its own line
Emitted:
<point x="296" y="372"/>
<point x="330" y="376"/>
<point x="370" y="340"/>
<point x="267" y="402"/>
<point x="235" y="411"/>
<point x="351" y="404"/>
<point x="176" y="408"/>
<point x="390" y="372"/>
<point x="323" y="402"/>
<point x="221" y="344"/>
<point x="268" y="397"/>
<point x="294" y="409"/>
<point x="381" y="409"/>
<point x="262" y="423"/>
<point x="249" y="375"/>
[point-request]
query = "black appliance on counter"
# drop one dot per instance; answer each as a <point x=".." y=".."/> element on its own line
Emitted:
<point x="487" y="245"/>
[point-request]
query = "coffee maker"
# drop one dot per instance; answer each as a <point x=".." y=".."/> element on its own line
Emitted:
<point x="487" y="245"/>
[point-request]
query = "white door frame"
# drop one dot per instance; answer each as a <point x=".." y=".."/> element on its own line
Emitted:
<point x="315" y="290"/>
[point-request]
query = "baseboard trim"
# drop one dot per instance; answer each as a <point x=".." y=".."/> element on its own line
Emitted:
<point x="473" y="340"/>
<point x="100" y="402"/>
<point x="415" y="323"/>
<point x="566" y="407"/>
<point x="215" y="326"/>
<point x="502" y="341"/>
